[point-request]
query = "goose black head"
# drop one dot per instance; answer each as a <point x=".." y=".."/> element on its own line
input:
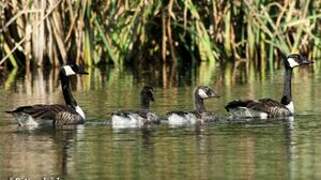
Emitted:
<point x="294" y="60"/>
<point x="146" y="96"/>
<point x="147" y="93"/>
<point x="73" y="69"/>
<point x="205" y="92"/>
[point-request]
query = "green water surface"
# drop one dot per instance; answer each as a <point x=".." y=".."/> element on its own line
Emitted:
<point x="288" y="149"/>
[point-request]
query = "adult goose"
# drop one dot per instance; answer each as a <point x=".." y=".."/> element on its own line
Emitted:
<point x="54" y="114"/>
<point x="269" y="108"/>
<point x="199" y="115"/>
<point x="139" y="118"/>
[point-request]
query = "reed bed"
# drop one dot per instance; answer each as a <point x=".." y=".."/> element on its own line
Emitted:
<point x="124" y="32"/>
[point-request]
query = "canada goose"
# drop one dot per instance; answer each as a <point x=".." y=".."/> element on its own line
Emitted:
<point x="267" y="108"/>
<point x="54" y="114"/>
<point x="140" y="118"/>
<point x="200" y="114"/>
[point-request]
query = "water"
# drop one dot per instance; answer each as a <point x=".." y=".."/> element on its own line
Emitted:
<point x="288" y="149"/>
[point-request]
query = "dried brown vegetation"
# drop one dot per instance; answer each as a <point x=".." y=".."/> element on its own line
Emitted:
<point x="178" y="31"/>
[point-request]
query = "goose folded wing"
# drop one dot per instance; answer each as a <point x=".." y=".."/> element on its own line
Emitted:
<point x="264" y="105"/>
<point x="127" y="114"/>
<point x="239" y="103"/>
<point x="185" y="113"/>
<point x="270" y="106"/>
<point x="40" y="111"/>
<point x="180" y="113"/>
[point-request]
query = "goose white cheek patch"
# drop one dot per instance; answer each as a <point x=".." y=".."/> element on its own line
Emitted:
<point x="80" y="112"/>
<point x="202" y="93"/>
<point x="69" y="71"/>
<point x="290" y="106"/>
<point x="292" y="62"/>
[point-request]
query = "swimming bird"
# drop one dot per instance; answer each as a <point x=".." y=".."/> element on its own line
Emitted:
<point x="139" y="118"/>
<point x="199" y="115"/>
<point x="54" y="114"/>
<point x="266" y="107"/>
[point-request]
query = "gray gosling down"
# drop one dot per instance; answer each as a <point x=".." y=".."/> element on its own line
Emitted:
<point x="140" y="118"/>
<point x="199" y="115"/>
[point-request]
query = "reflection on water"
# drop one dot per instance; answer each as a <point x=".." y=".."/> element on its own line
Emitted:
<point x="287" y="149"/>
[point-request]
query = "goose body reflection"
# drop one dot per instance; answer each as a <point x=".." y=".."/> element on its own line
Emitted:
<point x="199" y="114"/>
<point x="140" y="118"/>
<point x="269" y="108"/>
<point x="54" y="114"/>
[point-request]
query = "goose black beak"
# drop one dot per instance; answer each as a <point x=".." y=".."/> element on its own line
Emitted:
<point x="214" y="94"/>
<point x="307" y="61"/>
<point x="84" y="73"/>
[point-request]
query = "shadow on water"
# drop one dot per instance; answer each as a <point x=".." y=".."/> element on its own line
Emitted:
<point x="247" y="150"/>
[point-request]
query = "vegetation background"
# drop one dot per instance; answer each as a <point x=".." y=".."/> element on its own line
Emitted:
<point x="136" y="32"/>
<point x="234" y="46"/>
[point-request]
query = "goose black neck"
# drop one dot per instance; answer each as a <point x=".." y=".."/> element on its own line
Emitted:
<point x="144" y="103"/>
<point x="65" y="85"/>
<point x="287" y="89"/>
<point x="199" y="104"/>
